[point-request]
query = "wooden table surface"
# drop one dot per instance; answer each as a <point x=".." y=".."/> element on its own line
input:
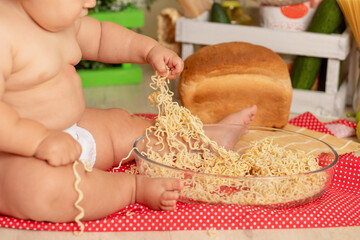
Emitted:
<point x="134" y="99"/>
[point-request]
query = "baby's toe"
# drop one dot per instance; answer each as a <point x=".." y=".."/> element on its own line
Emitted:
<point x="164" y="208"/>
<point x="170" y="196"/>
<point x="168" y="203"/>
<point x="173" y="185"/>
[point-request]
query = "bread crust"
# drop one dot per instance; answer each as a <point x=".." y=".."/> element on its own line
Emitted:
<point x="224" y="78"/>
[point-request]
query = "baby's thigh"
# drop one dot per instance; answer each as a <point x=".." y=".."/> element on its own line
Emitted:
<point x="22" y="178"/>
<point x="114" y="131"/>
<point x="14" y="169"/>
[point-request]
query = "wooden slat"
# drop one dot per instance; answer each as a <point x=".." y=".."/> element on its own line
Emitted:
<point x="342" y="146"/>
<point x="335" y="46"/>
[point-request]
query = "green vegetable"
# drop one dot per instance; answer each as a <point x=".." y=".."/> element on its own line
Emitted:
<point x="305" y="71"/>
<point x="357" y="118"/>
<point x="327" y="19"/>
<point x="218" y="14"/>
<point x="357" y="121"/>
<point x="355" y="115"/>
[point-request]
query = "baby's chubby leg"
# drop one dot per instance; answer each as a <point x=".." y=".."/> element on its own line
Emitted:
<point x="243" y="117"/>
<point x="32" y="189"/>
<point x="115" y="131"/>
<point x="228" y="135"/>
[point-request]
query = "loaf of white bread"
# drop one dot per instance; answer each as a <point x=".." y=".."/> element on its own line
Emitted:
<point x="224" y="78"/>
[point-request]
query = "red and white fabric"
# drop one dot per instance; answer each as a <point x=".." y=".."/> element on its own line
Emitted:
<point x="338" y="207"/>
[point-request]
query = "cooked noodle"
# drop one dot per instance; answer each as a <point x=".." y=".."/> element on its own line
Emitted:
<point x="81" y="213"/>
<point x="178" y="140"/>
<point x="351" y="11"/>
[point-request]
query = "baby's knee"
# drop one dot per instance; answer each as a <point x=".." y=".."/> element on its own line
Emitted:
<point x="31" y="189"/>
<point x="58" y="195"/>
<point x="128" y="124"/>
<point x="118" y="113"/>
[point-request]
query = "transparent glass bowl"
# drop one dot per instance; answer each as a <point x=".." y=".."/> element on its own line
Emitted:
<point x="264" y="191"/>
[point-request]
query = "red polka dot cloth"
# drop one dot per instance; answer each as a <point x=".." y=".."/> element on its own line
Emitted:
<point x="338" y="207"/>
<point x="340" y="128"/>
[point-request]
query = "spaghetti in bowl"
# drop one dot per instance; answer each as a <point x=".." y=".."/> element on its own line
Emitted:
<point x="259" y="166"/>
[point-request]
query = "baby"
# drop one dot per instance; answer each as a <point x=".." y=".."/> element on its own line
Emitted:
<point x="45" y="125"/>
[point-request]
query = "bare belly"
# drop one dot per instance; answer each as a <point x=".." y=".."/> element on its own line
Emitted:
<point x="57" y="103"/>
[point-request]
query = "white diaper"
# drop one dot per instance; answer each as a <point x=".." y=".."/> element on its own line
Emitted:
<point x="87" y="142"/>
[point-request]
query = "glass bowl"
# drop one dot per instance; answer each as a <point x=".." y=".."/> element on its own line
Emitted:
<point x="276" y="191"/>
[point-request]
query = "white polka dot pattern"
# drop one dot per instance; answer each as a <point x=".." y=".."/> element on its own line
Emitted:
<point x="338" y="207"/>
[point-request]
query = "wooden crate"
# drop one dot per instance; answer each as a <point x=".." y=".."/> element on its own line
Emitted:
<point x="334" y="47"/>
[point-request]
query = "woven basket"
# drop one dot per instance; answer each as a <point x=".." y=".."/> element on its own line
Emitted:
<point x="281" y="2"/>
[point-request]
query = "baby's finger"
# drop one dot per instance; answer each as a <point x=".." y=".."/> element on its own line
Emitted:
<point x="162" y="70"/>
<point x="54" y="161"/>
<point x="72" y="158"/>
<point x="173" y="75"/>
<point x="78" y="151"/>
<point x="175" y="70"/>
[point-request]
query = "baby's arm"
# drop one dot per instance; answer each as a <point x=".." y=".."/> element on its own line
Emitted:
<point x="27" y="137"/>
<point x="112" y="43"/>
<point x="30" y="138"/>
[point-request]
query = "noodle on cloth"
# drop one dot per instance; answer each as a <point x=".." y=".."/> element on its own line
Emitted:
<point x="178" y="140"/>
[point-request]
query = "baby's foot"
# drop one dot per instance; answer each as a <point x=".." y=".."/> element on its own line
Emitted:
<point x="228" y="135"/>
<point x="158" y="193"/>
<point x="243" y="117"/>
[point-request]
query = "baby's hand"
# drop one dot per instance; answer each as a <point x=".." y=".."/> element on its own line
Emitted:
<point x="162" y="59"/>
<point x="58" y="149"/>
